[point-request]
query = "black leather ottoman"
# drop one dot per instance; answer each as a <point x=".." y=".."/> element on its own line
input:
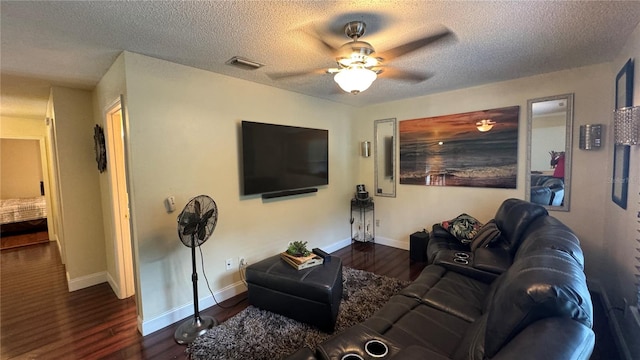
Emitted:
<point x="310" y="295"/>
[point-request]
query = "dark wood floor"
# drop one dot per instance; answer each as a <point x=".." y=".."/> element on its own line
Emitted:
<point x="40" y="319"/>
<point x="14" y="241"/>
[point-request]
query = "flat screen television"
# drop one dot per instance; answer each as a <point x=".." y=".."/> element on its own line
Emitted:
<point x="278" y="158"/>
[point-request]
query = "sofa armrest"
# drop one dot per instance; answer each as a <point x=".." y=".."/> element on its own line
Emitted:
<point x="352" y="341"/>
<point x="551" y="338"/>
<point x="447" y="259"/>
<point x="494" y="260"/>
<point x="414" y="352"/>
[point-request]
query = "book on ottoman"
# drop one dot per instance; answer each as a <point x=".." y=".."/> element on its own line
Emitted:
<point x="302" y="262"/>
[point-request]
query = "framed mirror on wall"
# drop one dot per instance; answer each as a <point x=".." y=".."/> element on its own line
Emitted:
<point x="384" y="148"/>
<point x="549" y="132"/>
<point x="621" y="150"/>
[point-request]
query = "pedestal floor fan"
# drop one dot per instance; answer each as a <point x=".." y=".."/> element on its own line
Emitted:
<point x="196" y="223"/>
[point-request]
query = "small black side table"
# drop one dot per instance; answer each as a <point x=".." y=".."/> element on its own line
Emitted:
<point x="362" y="220"/>
<point x="418" y="242"/>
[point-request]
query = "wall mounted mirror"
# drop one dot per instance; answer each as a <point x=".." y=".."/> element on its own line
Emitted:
<point x="549" y="130"/>
<point x="384" y="157"/>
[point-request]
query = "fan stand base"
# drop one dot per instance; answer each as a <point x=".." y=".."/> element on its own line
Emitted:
<point x="190" y="329"/>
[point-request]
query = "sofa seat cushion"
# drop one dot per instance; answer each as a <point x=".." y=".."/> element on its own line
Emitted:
<point x="449" y="291"/>
<point x="407" y="321"/>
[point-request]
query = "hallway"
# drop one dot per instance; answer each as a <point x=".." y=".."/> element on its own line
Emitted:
<point x="40" y="319"/>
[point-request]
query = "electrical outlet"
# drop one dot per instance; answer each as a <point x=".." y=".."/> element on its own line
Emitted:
<point x="229" y="264"/>
<point x="377" y="222"/>
<point x="242" y="262"/>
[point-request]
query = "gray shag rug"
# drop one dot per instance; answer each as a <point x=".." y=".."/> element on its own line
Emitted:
<point x="255" y="334"/>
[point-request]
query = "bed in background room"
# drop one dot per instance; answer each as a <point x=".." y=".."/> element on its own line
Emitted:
<point x="23" y="215"/>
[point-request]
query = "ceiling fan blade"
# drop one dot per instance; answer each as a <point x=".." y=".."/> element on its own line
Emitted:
<point x="312" y="32"/>
<point x="416" y="44"/>
<point x="294" y="74"/>
<point x="410" y="76"/>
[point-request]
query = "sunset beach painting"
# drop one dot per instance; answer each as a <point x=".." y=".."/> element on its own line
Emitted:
<point x="451" y="150"/>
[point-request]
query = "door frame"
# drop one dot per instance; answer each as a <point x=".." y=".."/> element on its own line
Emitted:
<point x="115" y="136"/>
<point x="49" y="195"/>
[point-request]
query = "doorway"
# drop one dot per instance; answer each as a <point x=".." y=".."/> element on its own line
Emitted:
<point x="23" y="176"/>
<point x="122" y="280"/>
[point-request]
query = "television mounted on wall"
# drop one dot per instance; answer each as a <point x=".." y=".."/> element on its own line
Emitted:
<point x="284" y="159"/>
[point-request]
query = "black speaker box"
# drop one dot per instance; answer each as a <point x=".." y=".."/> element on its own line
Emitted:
<point x="418" y="245"/>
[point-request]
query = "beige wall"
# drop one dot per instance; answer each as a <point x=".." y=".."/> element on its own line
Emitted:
<point x="12" y="127"/>
<point x="183" y="137"/>
<point x="79" y="187"/>
<point x="21" y="168"/>
<point x="547" y="135"/>
<point x="417" y="207"/>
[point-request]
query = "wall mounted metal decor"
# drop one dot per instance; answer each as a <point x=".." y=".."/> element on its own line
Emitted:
<point x="100" y="148"/>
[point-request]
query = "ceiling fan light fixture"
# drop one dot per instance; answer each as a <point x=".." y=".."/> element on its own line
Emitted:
<point x="485" y="125"/>
<point x="355" y="79"/>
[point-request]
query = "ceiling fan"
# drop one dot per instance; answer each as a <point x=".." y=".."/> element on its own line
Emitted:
<point x="358" y="64"/>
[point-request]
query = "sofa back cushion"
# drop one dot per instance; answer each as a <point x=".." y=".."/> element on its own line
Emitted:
<point x="513" y="217"/>
<point x="487" y="234"/>
<point x="547" y="283"/>
<point x="548" y="233"/>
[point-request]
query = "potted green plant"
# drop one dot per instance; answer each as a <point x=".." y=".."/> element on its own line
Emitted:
<point x="298" y="249"/>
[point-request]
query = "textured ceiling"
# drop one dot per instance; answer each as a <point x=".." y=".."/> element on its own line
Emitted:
<point x="74" y="43"/>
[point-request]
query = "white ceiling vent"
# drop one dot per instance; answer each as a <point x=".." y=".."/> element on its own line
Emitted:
<point x="244" y="63"/>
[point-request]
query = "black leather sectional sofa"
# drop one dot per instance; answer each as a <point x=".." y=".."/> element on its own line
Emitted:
<point x="523" y="297"/>
<point x="547" y="190"/>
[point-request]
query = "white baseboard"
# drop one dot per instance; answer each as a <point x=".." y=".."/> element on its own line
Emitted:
<point x="86" y="281"/>
<point x="337" y="245"/>
<point x="146" y="327"/>
<point x="613" y="320"/>
<point x="59" y="246"/>
<point x="378" y="240"/>
<point x="393" y="243"/>
<point x="114" y="286"/>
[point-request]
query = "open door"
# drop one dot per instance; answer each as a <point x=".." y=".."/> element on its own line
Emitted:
<point x="123" y="280"/>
